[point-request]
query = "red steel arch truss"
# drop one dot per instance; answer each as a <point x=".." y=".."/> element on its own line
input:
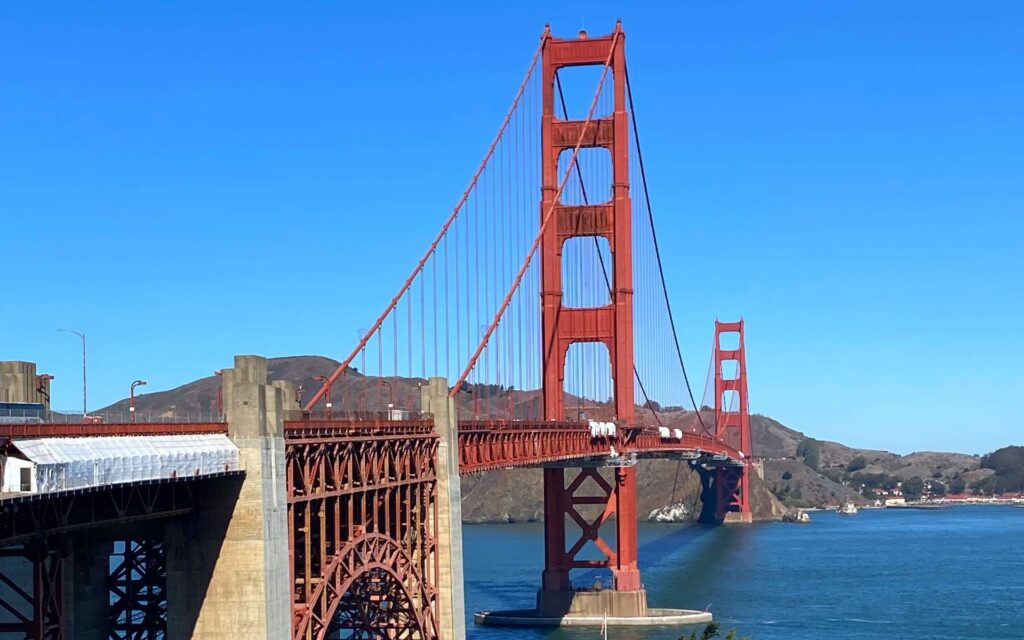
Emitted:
<point x="362" y="523"/>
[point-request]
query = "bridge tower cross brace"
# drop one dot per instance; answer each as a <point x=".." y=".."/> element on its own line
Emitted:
<point x="611" y="324"/>
<point x="732" y="425"/>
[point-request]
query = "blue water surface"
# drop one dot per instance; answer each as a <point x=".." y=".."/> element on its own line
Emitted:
<point x="914" y="575"/>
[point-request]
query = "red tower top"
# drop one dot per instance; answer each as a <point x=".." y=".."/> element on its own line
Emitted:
<point x="611" y="324"/>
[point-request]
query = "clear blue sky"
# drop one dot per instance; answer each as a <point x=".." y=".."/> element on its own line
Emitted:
<point x="846" y="176"/>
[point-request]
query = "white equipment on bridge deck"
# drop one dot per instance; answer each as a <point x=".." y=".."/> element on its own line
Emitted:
<point x="602" y="429"/>
<point x="41" y="465"/>
<point x="670" y="434"/>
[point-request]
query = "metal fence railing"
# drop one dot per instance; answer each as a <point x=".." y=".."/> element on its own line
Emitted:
<point x="30" y="415"/>
<point x="390" y="415"/>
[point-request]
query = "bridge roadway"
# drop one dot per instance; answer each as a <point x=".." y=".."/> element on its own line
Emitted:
<point x="486" y="445"/>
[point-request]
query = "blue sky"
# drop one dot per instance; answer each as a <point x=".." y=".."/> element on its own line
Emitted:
<point x="846" y="176"/>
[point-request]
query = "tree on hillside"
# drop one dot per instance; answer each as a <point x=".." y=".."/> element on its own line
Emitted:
<point x="913" y="488"/>
<point x="1008" y="464"/>
<point x="984" y="487"/>
<point x="787" y="476"/>
<point x="809" y="450"/>
<point x="957" y="485"/>
<point x="857" y="464"/>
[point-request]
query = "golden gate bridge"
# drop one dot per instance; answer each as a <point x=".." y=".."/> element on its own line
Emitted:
<point x="539" y="331"/>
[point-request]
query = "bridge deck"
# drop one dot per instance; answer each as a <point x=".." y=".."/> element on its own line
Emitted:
<point x="497" y="444"/>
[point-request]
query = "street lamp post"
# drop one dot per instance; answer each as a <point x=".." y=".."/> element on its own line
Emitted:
<point x="85" y="401"/>
<point x="391" y="392"/>
<point x="131" y="396"/>
<point x="327" y="395"/>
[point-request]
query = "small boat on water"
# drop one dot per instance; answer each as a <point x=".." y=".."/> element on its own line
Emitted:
<point x="848" y="509"/>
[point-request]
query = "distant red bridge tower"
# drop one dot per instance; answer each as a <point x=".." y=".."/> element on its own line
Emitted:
<point x="730" y="484"/>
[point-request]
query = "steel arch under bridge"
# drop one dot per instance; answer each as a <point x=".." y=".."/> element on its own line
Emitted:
<point x="362" y="526"/>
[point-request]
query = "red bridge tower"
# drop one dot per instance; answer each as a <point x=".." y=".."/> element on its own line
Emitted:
<point x="729" y="485"/>
<point x="611" y="325"/>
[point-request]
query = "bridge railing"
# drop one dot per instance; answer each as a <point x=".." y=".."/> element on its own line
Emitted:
<point x="536" y="425"/>
<point x="31" y="415"/>
<point x="334" y="424"/>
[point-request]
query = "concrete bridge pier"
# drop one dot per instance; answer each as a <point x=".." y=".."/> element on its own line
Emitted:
<point x="228" y="566"/>
<point x="451" y="597"/>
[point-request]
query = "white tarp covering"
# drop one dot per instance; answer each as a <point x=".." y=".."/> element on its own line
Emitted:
<point x="76" y="463"/>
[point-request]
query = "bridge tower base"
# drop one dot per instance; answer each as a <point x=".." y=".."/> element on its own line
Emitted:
<point x="724" y="495"/>
<point x="590" y="500"/>
<point x="617" y="604"/>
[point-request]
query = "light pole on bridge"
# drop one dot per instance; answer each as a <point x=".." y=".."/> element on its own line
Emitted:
<point x="85" y="400"/>
<point x="391" y="392"/>
<point x="327" y="394"/>
<point x="131" y="396"/>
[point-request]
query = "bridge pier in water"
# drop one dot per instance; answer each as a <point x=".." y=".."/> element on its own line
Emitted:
<point x="725" y="494"/>
<point x="558" y="597"/>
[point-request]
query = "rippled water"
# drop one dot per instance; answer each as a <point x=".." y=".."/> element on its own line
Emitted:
<point x="913" y="575"/>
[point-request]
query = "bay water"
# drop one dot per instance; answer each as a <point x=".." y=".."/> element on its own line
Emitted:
<point x="909" y="574"/>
